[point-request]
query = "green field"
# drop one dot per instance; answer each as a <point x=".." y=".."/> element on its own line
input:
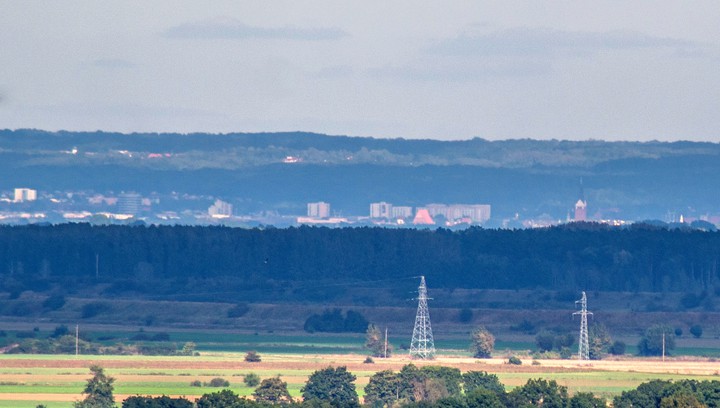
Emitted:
<point x="293" y="356"/>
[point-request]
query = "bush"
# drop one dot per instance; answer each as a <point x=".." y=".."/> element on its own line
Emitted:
<point x="252" y="357"/>
<point x="333" y="321"/>
<point x="369" y="360"/>
<point x="514" y="361"/>
<point x="678" y="332"/>
<point x="465" y="316"/>
<point x="617" y="348"/>
<point x="696" y="330"/>
<point x="93" y="309"/>
<point x="565" y="353"/>
<point x="60" y="331"/>
<point x="54" y="302"/>
<point x="196" y="383"/>
<point x="251" y="380"/>
<point x="218" y="382"/>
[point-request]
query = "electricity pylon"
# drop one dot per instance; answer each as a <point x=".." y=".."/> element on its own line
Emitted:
<point x="584" y="344"/>
<point x="422" y="345"/>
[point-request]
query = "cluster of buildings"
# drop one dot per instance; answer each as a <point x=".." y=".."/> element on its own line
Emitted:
<point x="384" y="213"/>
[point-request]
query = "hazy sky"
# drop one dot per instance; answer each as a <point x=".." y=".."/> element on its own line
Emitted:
<point x="614" y="70"/>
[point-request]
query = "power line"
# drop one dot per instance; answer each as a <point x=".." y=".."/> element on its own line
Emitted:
<point x="422" y="345"/>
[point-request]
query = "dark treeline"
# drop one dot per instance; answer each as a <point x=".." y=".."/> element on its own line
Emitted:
<point x="187" y="261"/>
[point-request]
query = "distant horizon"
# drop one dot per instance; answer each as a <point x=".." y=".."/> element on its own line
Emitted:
<point x="362" y="136"/>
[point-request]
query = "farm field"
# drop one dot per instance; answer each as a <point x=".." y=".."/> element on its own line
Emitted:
<point x="56" y="381"/>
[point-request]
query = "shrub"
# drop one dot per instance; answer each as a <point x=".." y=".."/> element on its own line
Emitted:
<point x="93" y="309"/>
<point x="696" y="330"/>
<point x="252" y="357"/>
<point x="678" y="332"/>
<point x="565" y="353"/>
<point x="218" y="382"/>
<point x="54" y="302"/>
<point x="196" y="383"/>
<point x="251" y="380"/>
<point x="369" y="360"/>
<point x="514" y="361"/>
<point x="465" y="315"/>
<point x="617" y="348"/>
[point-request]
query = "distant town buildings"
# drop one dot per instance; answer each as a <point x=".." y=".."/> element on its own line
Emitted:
<point x="452" y="214"/>
<point x="476" y="213"/>
<point x="25" y="194"/>
<point x="220" y="209"/>
<point x="318" y="210"/>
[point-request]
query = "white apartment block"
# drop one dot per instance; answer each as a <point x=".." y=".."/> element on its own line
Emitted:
<point x="381" y="210"/>
<point x="25" y="194"/>
<point x="318" y="210"/>
<point x="475" y="212"/>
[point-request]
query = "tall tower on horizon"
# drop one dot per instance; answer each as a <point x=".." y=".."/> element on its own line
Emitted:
<point x="422" y="345"/>
<point x="581" y="204"/>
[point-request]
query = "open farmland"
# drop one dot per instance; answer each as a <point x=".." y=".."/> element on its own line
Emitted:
<point x="57" y="381"/>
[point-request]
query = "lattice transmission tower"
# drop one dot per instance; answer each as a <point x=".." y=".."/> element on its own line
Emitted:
<point x="584" y="344"/>
<point x="422" y="345"/>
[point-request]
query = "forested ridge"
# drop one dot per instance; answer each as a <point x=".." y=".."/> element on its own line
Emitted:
<point x="191" y="260"/>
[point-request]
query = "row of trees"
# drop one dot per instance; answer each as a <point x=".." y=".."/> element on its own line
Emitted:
<point x="291" y="263"/>
<point x="413" y="387"/>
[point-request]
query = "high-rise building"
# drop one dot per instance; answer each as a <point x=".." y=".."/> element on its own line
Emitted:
<point x="318" y="210"/>
<point x="25" y="194"/>
<point x="129" y="203"/>
<point x="381" y="210"/>
<point x="220" y="209"/>
<point x="401" y="212"/>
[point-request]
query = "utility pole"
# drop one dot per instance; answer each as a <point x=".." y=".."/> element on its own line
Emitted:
<point x="97" y="266"/>
<point x="385" y="342"/>
<point x="422" y="345"/>
<point x="77" y="340"/>
<point x="663" y="346"/>
<point x="584" y="344"/>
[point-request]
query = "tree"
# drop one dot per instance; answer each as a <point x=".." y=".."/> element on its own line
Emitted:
<point x="221" y="399"/>
<point x="482" y="342"/>
<point x="545" y="340"/>
<point x="272" y="390"/>
<point x="156" y="402"/>
<point x="482" y="398"/>
<point x="252" y="357"/>
<point x="599" y="341"/>
<point x="657" y="338"/>
<point x="473" y="380"/>
<point x="375" y="342"/>
<point x="587" y="400"/>
<point x="696" y="330"/>
<point x="617" y="348"/>
<point x="99" y="390"/>
<point x="251" y="380"/>
<point x="547" y="394"/>
<point x="383" y="389"/>
<point x="334" y="385"/>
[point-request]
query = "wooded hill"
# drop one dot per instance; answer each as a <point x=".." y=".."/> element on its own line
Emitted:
<point x="626" y="180"/>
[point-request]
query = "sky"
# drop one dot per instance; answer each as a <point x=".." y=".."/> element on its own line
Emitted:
<point x="447" y="70"/>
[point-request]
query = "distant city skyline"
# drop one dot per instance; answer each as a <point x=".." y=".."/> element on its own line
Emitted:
<point x="580" y="70"/>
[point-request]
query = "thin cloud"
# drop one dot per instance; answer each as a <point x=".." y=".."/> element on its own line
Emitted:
<point x="231" y="29"/>
<point x="112" y="63"/>
<point x="549" y="42"/>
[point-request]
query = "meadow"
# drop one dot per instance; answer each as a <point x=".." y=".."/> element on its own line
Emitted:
<point x="57" y="380"/>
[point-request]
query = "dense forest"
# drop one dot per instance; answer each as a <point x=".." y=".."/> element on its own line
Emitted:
<point x="312" y="264"/>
